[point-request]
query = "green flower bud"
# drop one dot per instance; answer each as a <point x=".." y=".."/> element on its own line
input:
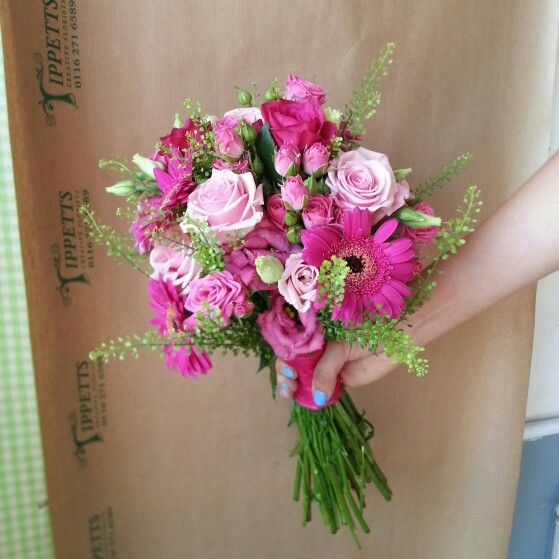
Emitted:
<point x="244" y="97"/>
<point x="268" y="268"/>
<point x="416" y="219"/>
<point x="122" y="188"/>
<point x="291" y="218"/>
<point x="178" y="121"/>
<point x="146" y="165"/>
<point x="248" y="133"/>
<point x="272" y="94"/>
<point x="401" y="174"/>
<point x="294" y="235"/>
<point x="333" y="115"/>
<point x="256" y="165"/>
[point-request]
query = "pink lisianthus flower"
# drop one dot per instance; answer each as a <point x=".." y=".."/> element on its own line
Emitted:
<point x="275" y="211"/>
<point x="219" y="290"/>
<point x="319" y="211"/>
<point x="364" y="179"/>
<point x="173" y="263"/>
<point x="301" y="123"/>
<point x="378" y="268"/>
<point x="422" y="235"/>
<point x="288" y="332"/>
<point x="231" y="203"/>
<point x="187" y="360"/>
<point x="298" y="283"/>
<point x="175" y="182"/>
<point x="300" y="89"/>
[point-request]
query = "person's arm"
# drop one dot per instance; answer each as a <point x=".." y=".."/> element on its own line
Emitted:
<point x="516" y="246"/>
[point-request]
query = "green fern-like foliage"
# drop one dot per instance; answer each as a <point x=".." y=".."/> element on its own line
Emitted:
<point x="331" y="280"/>
<point x="365" y="100"/>
<point x="205" y="245"/>
<point x="445" y="175"/>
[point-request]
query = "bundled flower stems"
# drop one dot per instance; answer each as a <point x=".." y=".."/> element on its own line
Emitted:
<point x="271" y="230"/>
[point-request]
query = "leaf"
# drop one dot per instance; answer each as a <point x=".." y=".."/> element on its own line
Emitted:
<point x="266" y="149"/>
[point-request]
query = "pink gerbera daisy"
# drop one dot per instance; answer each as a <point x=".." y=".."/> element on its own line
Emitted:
<point x="175" y="182"/>
<point x="378" y="268"/>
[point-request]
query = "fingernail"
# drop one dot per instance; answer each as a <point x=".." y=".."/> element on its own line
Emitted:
<point x="284" y="386"/>
<point x="320" y="398"/>
<point x="287" y="372"/>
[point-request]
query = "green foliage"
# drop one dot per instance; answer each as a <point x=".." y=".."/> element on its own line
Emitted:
<point x="204" y="243"/>
<point x="266" y="149"/>
<point x="365" y="100"/>
<point x="447" y="242"/>
<point x="445" y="175"/>
<point x="141" y="182"/>
<point x="120" y="347"/>
<point x="331" y="280"/>
<point x="119" y="247"/>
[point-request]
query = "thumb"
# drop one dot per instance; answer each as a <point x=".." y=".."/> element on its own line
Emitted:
<point x="326" y="372"/>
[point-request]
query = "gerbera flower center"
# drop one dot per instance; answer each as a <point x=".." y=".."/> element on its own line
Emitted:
<point x="355" y="263"/>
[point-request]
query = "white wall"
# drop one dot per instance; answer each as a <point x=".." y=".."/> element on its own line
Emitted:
<point x="543" y="394"/>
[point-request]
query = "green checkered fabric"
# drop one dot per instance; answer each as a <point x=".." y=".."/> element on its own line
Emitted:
<point x="24" y="518"/>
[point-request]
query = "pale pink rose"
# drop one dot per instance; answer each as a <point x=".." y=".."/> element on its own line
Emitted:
<point x="319" y="211"/>
<point x="249" y="114"/>
<point x="300" y="89"/>
<point x="422" y="235"/>
<point x="315" y="159"/>
<point x="294" y="192"/>
<point x="231" y="203"/>
<point x="175" y="265"/>
<point x="290" y="338"/>
<point x="287" y="159"/>
<point x="298" y="283"/>
<point x="228" y="141"/>
<point x="218" y="290"/>
<point x="275" y="211"/>
<point x="364" y="179"/>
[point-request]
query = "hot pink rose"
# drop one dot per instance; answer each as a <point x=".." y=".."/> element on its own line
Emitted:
<point x="294" y="192"/>
<point x="290" y="338"/>
<point x="364" y="179"/>
<point x="300" y="89"/>
<point x="231" y="203"/>
<point x="227" y="140"/>
<point x="423" y="235"/>
<point x="218" y="290"/>
<point x="173" y="264"/>
<point x="300" y="123"/>
<point x="298" y="283"/>
<point x="315" y="159"/>
<point x="275" y="211"/>
<point x="287" y="160"/>
<point x="319" y="211"/>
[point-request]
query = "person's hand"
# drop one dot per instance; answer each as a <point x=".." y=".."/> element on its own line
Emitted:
<point x="355" y="366"/>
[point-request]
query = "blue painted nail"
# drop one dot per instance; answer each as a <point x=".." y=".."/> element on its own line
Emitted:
<point x="320" y="398"/>
<point x="287" y="372"/>
<point x="284" y="386"/>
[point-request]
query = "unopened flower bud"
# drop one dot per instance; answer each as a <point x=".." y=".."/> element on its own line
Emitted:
<point x="256" y="165"/>
<point x="248" y="133"/>
<point x="294" y="235"/>
<point x="244" y="97"/>
<point x="178" y="121"/>
<point x="272" y="94"/>
<point x="290" y="218"/>
<point x="268" y="268"/>
<point x="146" y="165"/>
<point x="122" y="188"/>
<point x="287" y="160"/>
<point x="333" y="115"/>
<point x="416" y="219"/>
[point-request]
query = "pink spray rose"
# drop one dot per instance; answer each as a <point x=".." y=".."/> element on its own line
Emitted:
<point x="287" y="160"/>
<point x="231" y="203"/>
<point x="294" y="192"/>
<point x="250" y="115"/>
<point x="300" y="123"/>
<point x="423" y="235"/>
<point x="275" y="211"/>
<point x="227" y="139"/>
<point x="315" y="159"/>
<point x="319" y="211"/>
<point x="364" y="179"/>
<point x="240" y="166"/>
<point x="300" y="89"/>
<point x="298" y="283"/>
<point x="290" y="338"/>
<point x="219" y="290"/>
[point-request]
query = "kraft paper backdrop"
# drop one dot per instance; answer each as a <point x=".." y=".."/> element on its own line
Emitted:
<point x="144" y="464"/>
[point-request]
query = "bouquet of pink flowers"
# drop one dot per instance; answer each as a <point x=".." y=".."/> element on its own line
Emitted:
<point x="270" y="231"/>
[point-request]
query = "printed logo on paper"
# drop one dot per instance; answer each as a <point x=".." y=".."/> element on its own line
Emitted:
<point x="90" y="419"/>
<point x="101" y="530"/>
<point x="58" y="66"/>
<point x="73" y="255"/>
